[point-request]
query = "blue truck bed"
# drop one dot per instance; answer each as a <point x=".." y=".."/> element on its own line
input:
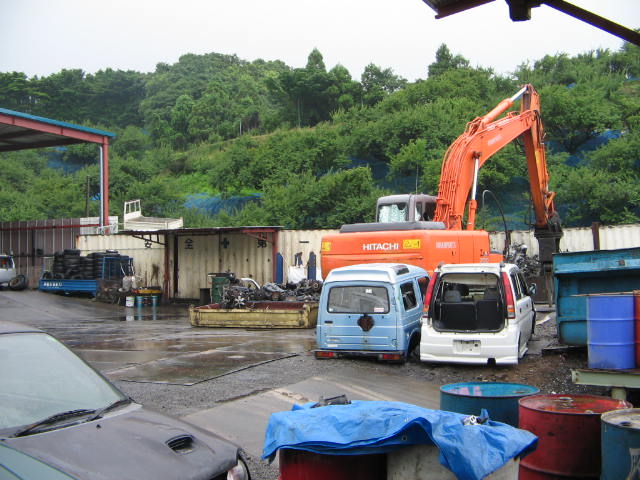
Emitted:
<point x="69" y="286"/>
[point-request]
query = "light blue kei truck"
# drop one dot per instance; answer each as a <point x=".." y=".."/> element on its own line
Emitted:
<point x="372" y="309"/>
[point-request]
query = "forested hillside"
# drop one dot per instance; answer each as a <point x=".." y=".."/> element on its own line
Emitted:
<point x="224" y="141"/>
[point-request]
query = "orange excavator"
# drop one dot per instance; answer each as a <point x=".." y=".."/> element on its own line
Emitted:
<point x="424" y="230"/>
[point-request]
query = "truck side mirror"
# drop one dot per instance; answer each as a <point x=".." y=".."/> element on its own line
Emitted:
<point x="533" y="289"/>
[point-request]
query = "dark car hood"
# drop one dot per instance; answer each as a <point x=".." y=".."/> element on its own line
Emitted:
<point x="131" y="443"/>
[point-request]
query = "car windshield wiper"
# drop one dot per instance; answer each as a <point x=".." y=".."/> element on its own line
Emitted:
<point x="51" y="419"/>
<point x="118" y="403"/>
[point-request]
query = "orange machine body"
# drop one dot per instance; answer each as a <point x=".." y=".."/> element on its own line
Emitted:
<point x="423" y="248"/>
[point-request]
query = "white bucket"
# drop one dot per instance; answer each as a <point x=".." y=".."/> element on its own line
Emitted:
<point x="129" y="301"/>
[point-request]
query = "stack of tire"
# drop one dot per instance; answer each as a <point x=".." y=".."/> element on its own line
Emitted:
<point x="70" y="265"/>
<point x="117" y="266"/>
<point x="97" y="262"/>
<point x="58" y="269"/>
<point x="73" y="263"/>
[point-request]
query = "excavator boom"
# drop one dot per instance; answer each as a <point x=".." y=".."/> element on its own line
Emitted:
<point x="483" y="137"/>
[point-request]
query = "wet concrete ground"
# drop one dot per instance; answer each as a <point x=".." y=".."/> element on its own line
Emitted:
<point x="155" y="353"/>
<point x="149" y="344"/>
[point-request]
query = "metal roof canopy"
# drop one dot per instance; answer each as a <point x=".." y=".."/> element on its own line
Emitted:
<point x="21" y="131"/>
<point x="520" y="10"/>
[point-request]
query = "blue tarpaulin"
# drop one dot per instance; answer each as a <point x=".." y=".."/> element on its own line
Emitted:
<point x="367" y="427"/>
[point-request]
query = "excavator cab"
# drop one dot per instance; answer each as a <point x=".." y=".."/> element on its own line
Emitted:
<point x="405" y="208"/>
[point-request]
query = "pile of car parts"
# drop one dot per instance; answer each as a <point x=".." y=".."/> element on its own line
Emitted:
<point x="240" y="292"/>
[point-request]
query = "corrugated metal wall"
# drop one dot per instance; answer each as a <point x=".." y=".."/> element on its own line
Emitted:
<point x="31" y="241"/>
<point x="305" y="242"/>
<point x="577" y="239"/>
<point x="199" y="255"/>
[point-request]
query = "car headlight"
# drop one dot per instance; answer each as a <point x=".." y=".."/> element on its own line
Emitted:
<point x="239" y="472"/>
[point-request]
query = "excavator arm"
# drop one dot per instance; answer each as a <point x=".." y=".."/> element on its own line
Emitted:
<point x="482" y="138"/>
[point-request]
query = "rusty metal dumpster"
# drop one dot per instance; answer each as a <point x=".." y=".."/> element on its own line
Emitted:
<point x="265" y="314"/>
<point x="578" y="274"/>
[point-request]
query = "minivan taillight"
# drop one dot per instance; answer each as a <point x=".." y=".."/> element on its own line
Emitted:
<point x="429" y="294"/>
<point x="511" y="307"/>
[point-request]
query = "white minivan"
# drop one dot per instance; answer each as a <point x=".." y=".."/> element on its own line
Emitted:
<point x="477" y="313"/>
<point x="7" y="270"/>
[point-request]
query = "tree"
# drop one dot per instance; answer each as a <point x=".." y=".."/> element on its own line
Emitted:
<point x="445" y="61"/>
<point x="306" y="202"/>
<point x="310" y="95"/>
<point x="575" y="115"/>
<point x="378" y="83"/>
<point x="19" y="93"/>
<point x="131" y="142"/>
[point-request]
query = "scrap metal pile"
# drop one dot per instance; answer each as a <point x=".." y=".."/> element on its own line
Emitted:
<point x="530" y="266"/>
<point x="241" y="292"/>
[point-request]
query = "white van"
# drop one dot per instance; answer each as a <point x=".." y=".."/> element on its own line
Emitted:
<point x="7" y="270"/>
<point x="477" y="313"/>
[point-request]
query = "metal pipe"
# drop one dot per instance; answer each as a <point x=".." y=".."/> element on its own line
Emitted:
<point x="501" y="108"/>
<point x="476" y="169"/>
<point x="473" y="204"/>
<point x="102" y="220"/>
<point x="519" y="94"/>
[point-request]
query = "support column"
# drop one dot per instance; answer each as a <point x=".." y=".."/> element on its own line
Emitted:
<point x="104" y="185"/>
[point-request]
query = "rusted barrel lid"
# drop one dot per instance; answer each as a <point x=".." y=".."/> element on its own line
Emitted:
<point x="627" y="418"/>
<point x="573" y="404"/>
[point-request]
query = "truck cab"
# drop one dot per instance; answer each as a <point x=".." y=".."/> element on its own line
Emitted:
<point x="477" y="313"/>
<point x="371" y="310"/>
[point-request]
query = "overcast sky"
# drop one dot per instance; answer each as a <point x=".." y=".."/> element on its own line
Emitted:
<point x="40" y="37"/>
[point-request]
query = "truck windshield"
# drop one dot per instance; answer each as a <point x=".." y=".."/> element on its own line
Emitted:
<point x="358" y="299"/>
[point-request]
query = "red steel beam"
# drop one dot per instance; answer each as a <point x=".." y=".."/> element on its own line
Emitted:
<point x="68" y="132"/>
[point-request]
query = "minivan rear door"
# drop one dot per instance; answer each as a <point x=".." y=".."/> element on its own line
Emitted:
<point x="360" y="316"/>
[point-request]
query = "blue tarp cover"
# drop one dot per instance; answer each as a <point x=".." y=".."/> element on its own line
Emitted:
<point x="366" y="427"/>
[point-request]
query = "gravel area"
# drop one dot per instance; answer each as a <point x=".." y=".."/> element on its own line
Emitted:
<point x="547" y="367"/>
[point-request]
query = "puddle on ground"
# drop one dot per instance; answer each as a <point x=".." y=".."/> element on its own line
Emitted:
<point x="290" y="345"/>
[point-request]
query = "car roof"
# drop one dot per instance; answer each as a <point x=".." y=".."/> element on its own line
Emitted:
<point x="381" y="272"/>
<point x="476" y="267"/>
<point x="12" y="327"/>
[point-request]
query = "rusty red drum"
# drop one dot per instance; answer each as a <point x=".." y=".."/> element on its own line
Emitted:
<point x="568" y="431"/>
<point x="303" y="465"/>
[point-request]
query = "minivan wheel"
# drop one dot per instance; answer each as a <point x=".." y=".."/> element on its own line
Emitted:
<point x="413" y="352"/>
<point x="533" y="324"/>
<point x="19" y="282"/>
